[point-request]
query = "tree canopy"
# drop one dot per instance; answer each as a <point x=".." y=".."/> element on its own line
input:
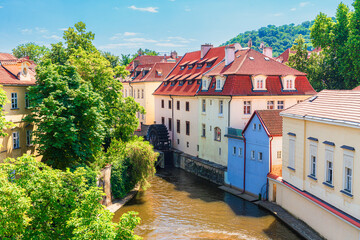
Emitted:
<point x="38" y="202"/>
<point x="279" y="38"/>
<point x="33" y="51"/>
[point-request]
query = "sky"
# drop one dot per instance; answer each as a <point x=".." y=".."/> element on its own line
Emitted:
<point x="123" y="26"/>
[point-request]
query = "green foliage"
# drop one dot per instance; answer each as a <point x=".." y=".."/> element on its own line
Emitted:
<point x="31" y="50"/>
<point x="125" y="59"/>
<point x="43" y="203"/>
<point x="132" y="163"/>
<point x="113" y="60"/>
<point x="353" y="46"/>
<point x="68" y="115"/>
<point x="279" y="38"/>
<point x="299" y="59"/>
<point x="4" y="124"/>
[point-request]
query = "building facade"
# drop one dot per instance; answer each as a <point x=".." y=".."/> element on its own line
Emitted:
<point x="319" y="182"/>
<point x="256" y="153"/>
<point x="16" y="75"/>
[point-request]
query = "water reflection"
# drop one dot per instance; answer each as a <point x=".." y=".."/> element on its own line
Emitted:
<point x="180" y="205"/>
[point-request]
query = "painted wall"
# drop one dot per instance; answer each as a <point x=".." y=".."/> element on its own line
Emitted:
<point x="16" y="116"/>
<point x="237" y="117"/>
<point x="322" y="221"/>
<point x="235" y="172"/>
<point x="339" y="135"/>
<point x="210" y="149"/>
<point x="180" y="141"/>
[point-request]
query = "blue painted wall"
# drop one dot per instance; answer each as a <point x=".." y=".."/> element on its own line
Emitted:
<point x="256" y="169"/>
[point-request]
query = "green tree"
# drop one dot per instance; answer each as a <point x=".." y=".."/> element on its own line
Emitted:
<point x="42" y="203"/>
<point x="31" y="50"/>
<point x="299" y="59"/>
<point x="125" y="59"/>
<point x="4" y="124"/>
<point x="114" y="60"/>
<point x="353" y="47"/>
<point x="68" y="116"/>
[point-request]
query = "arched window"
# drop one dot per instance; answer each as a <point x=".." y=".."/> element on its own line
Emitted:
<point x="217" y="134"/>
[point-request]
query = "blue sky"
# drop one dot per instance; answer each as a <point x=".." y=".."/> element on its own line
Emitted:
<point x="123" y="26"/>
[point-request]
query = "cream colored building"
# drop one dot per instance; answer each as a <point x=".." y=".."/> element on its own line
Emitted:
<point x="321" y="164"/>
<point x="16" y="75"/>
<point x="243" y="82"/>
<point x="146" y="74"/>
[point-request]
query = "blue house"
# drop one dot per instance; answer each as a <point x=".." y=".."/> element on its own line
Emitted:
<point x="256" y="153"/>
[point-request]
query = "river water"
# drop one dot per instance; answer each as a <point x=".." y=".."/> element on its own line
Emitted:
<point x="179" y="205"/>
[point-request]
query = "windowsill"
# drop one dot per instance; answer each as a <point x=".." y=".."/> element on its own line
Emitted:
<point x="14" y="108"/>
<point x="252" y="159"/>
<point x="347" y="193"/>
<point x="312" y="177"/>
<point x="220" y="115"/>
<point x="203" y="136"/>
<point x="203" y="113"/>
<point x="328" y="185"/>
<point x="293" y="169"/>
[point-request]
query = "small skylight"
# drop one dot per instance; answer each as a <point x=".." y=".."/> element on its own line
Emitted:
<point x="238" y="56"/>
<point x="313" y="98"/>
<point x="267" y="59"/>
<point x="251" y="58"/>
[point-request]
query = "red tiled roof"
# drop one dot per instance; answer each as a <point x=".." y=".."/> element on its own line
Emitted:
<point x="152" y="75"/>
<point x="7" y="78"/>
<point x="218" y="52"/>
<point x="185" y="90"/>
<point x="241" y="85"/>
<point x="284" y="57"/>
<point x="338" y="106"/>
<point x="7" y="56"/>
<point x="357" y="88"/>
<point x="251" y="62"/>
<point x="271" y="120"/>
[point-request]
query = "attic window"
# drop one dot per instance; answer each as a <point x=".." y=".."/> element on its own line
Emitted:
<point x="198" y="81"/>
<point x="259" y="82"/>
<point x="267" y="59"/>
<point x="219" y="82"/>
<point x="181" y="82"/>
<point x="173" y="83"/>
<point x="251" y="58"/>
<point x="288" y="82"/>
<point x="190" y="82"/>
<point x="191" y="66"/>
<point x="182" y="67"/>
<point x="209" y="64"/>
<point x="200" y="65"/>
<point x="205" y="83"/>
<point x="166" y="83"/>
<point x="159" y="73"/>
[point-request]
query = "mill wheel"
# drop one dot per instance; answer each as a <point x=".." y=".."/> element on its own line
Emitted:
<point x="158" y="136"/>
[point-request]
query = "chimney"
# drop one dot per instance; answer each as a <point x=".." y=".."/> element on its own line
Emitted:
<point x="250" y="43"/>
<point x="267" y="51"/>
<point x="135" y="64"/>
<point x="205" y="48"/>
<point x="173" y="54"/>
<point x="229" y="54"/>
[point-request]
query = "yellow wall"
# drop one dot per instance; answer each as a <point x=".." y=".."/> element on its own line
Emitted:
<point x="16" y="116"/>
<point x="322" y="221"/>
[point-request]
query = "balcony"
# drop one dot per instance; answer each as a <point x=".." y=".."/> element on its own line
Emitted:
<point x="234" y="133"/>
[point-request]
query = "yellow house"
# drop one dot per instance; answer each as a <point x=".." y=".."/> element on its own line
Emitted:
<point x="321" y="164"/>
<point x="146" y="74"/>
<point x="16" y="75"/>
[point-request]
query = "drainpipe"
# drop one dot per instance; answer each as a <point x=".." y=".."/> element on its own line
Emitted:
<point x="229" y="111"/>
<point x="267" y="179"/>
<point x="242" y="134"/>
<point x="132" y="90"/>
<point x="172" y="118"/>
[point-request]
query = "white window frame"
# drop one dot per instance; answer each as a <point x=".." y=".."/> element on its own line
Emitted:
<point x="348" y="164"/>
<point x="292" y="150"/>
<point x="313" y="148"/>
<point x="252" y="155"/>
<point x="247" y="107"/>
<point x="240" y="152"/>
<point x="278" y="154"/>
<point x="217" y="134"/>
<point x="28" y="137"/>
<point x="280" y="104"/>
<point x="14" y="100"/>
<point x="329" y="158"/>
<point x="16" y="140"/>
<point x="221" y="107"/>
<point x="289" y="82"/>
<point x="27" y="100"/>
<point x="270" y="105"/>
<point x="259" y="82"/>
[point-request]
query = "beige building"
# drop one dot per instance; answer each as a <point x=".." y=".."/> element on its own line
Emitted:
<point x="320" y="170"/>
<point x="146" y="74"/>
<point x="16" y="75"/>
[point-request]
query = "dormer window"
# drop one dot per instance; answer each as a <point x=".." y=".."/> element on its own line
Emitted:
<point x="191" y="66"/>
<point x="181" y="82"/>
<point x="219" y="83"/>
<point x="166" y="83"/>
<point x="209" y="64"/>
<point x="205" y="83"/>
<point x="159" y="73"/>
<point x="182" y="67"/>
<point x="288" y="82"/>
<point x="199" y="65"/>
<point x="172" y="83"/>
<point x="259" y="83"/>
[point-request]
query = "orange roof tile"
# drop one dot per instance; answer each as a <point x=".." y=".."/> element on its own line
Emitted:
<point x="272" y="121"/>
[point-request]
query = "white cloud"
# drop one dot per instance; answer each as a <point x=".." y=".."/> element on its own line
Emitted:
<point x="1" y="7"/>
<point x="179" y="39"/>
<point x="293" y="9"/>
<point x="120" y="45"/>
<point x="303" y="4"/>
<point x="63" y="29"/>
<point x="169" y="45"/>
<point x="40" y="30"/>
<point x="140" y="40"/>
<point x="172" y="0"/>
<point x="26" y="31"/>
<point x="55" y="37"/>
<point x="146" y="9"/>
<point x="277" y="14"/>
<point x="129" y="34"/>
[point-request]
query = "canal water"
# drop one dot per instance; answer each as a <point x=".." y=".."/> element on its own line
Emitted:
<point x="179" y="205"/>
